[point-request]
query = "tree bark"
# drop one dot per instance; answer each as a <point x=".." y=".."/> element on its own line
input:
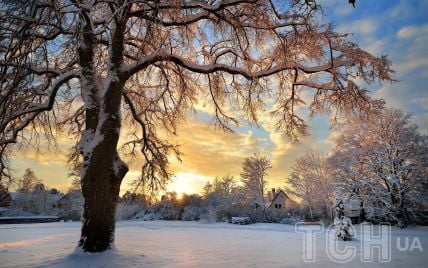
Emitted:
<point x="102" y="175"/>
<point x="102" y="170"/>
<point x="99" y="216"/>
<point x="100" y="188"/>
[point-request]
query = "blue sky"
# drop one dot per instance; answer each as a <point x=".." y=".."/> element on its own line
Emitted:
<point x="398" y="29"/>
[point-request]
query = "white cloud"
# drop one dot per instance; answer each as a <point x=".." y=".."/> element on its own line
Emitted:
<point x="363" y="27"/>
<point x="411" y="64"/>
<point x="407" y="94"/>
<point x="401" y="10"/>
<point x="399" y="94"/>
<point x="412" y="31"/>
<point x="422" y="121"/>
<point x="412" y="53"/>
<point x="424" y="101"/>
<point x="374" y="46"/>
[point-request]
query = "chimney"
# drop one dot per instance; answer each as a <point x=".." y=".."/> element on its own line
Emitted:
<point x="273" y="193"/>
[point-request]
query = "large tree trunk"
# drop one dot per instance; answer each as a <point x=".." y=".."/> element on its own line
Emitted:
<point x="100" y="188"/>
<point x="102" y="170"/>
<point x="99" y="216"/>
<point x="102" y="174"/>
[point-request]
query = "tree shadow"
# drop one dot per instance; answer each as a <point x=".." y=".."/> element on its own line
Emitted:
<point x="108" y="258"/>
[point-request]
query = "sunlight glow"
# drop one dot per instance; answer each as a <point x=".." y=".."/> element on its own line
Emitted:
<point x="188" y="182"/>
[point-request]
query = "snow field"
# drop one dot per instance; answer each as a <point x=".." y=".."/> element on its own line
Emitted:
<point x="187" y="244"/>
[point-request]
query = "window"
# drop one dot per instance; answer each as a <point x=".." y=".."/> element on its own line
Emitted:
<point x="278" y="205"/>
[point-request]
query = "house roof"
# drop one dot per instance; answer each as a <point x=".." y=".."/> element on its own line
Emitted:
<point x="276" y="196"/>
<point x="5" y="196"/>
<point x="71" y="195"/>
<point x="55" y="197"/>
<point x="15" y="195"/>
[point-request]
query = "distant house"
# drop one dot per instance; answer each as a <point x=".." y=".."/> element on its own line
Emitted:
<point x="9" y="200"/>
<point x="280" y="200"/>
<point x="358" y="212"/>
<point x="5" y="200"/>
<point x="36" y="202"/>
<point x="29" y="203"/>
<point x="16" y="197"/>
<point x="71" y="206"/>
<point x="353" y="210"/>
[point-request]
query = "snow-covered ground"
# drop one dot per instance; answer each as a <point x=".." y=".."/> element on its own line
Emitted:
<point x="189" y="244"/>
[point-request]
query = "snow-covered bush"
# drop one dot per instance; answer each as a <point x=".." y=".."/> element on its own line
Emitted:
<point x="36" y="202"/>
<point x="71" y="205"/>
<point x="127" y="211"/>
<point x="146" y="216"/>
<point x="191" y="213"/>
<point x="277" y="215"/>
<point x="131" y="205"/>
<point x="167" y="211"/>
<point x="209" y="216"/>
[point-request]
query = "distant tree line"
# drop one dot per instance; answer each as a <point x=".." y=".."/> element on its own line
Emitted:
<point x="32" y="197"/>
<point x="378" y="170"/>
<point x="221" y="199"/>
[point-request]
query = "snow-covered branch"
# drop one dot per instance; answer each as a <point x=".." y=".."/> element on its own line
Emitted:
<point x="218" y="67"/>
<point x="16" y="121"/>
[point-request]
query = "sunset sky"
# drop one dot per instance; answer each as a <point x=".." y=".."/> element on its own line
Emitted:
<point x="396" y="28"/>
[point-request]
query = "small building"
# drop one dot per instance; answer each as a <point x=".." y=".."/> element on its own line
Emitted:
<point x="35" y="202"/>
<point x="358" y="212"/>
<point x="71" y="206"/>
<point x="352" y="210"/>
<point x="16" y="198"/>
<point x="280" y="200"/>
<point x="5" y="200"/>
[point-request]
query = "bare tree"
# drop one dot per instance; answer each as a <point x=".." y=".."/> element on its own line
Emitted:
<point x="311" y="181"/>
<point x="220" y="198"/>
<point x="75" y="186"/>
<point x="253" y="177"/>
<point x="4" y="193"/>
<point x="70" y="64"/>
<point x="29" y="181"/>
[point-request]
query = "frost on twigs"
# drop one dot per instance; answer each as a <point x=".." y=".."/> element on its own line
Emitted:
<point x="242" y="56"/>
<point x="78" y="65"/>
